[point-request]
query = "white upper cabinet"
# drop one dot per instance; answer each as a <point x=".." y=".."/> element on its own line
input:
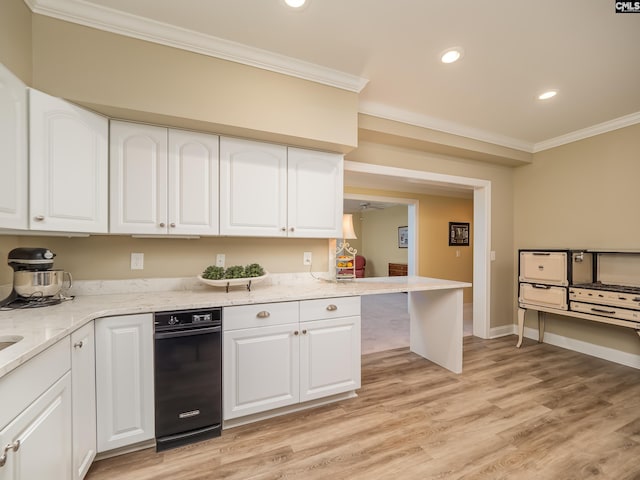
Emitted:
<point x="193" y="183"/>
<point x="271" y="190"/>
<point x="315" y="191"/>
<point x="253" y="188"/>
<point x="163" y="181"/>
<point x="68" y="166"/>
<point x="13" y="151"/>
<point x="138" y="178"/>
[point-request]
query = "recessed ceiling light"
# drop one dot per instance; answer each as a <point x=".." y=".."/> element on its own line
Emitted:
<point x="295" y="3"/>
<point x="548" y="94"/>
<point x="451" y="55"/>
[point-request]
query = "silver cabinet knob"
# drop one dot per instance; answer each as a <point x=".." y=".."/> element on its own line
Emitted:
<point x="292" y="229"/>
<point x="283" y="229"/>
<point x="296" y="332"/>
<point x="39" y="218"/>
<point x="172" y="225"/>
<point x="78" y="344"/>
<point x="263" y="314"/>
<point x="162" y="224"/>
<point x="304" y="332"/>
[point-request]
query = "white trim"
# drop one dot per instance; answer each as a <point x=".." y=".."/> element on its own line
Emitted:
<point x="503" y="331"/>
<point x="592" y="131"/>
<point x="481" y="230"/>
<point x="606" y="353"/>
<point x="114" y="21"/>
<point x="433" y="123"/>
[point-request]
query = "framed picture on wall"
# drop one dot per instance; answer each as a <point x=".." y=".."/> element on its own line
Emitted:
<point x="403" y="237"/>
<point x="458" y="234"/>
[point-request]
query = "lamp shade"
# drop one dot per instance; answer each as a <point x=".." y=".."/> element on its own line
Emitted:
<point x="347" y="226"/>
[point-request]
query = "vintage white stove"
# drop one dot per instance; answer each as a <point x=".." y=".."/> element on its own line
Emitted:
<point x="597" y="285"/>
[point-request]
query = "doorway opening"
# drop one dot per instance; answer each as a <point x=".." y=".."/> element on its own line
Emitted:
<point x="382" y="177"/>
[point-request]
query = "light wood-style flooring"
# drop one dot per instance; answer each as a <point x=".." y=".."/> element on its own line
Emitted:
<point x="540" y="412"/>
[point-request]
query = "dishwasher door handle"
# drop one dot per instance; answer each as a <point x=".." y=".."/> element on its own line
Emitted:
<point x="186" y="333"/>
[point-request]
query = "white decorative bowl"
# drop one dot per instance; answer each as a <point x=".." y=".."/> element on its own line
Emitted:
<point x="230" y="282"/>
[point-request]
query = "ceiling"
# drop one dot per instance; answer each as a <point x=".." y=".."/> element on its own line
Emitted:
<point x="389" y="52"/>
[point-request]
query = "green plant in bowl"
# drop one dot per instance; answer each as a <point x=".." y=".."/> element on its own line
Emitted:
<point x="213" y="272"/>
<point x="253" y="270"/>
<point x="235" y="271"/>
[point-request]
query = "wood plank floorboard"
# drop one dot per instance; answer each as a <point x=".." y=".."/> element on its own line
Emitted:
<point x="540" y="412"/>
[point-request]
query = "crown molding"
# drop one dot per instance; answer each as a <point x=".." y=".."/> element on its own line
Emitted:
<point x="433" y="123"/>
<point x="615" y="124"/>
<point x="114" y="21"/>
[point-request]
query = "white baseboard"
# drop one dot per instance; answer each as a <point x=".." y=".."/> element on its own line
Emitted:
<point x="502" y="331"/>
<point x="606" y="353"/>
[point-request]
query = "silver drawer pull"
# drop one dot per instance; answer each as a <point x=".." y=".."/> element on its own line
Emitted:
<point x="332" y="308"/>
<point x="192" y="413"/>
<point x="9" y="446"/>
<point x="78" y="344"/>
<point x="543" y="287"/>
<point x="602" y="310"/>
<point x="263" y="314"/>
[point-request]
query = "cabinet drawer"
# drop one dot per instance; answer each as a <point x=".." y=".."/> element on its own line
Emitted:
<point x="544" y="267"/>
<point x="24" y="384"/>
<point x="543" y="295"/>
<point x="259" y="315"/>
<point x="323" y="308"/>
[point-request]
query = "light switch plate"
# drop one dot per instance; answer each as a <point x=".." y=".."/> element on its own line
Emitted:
<point x="137" y="261"/>
<point x="220" y="259"/>
<point x="306" y="258"/>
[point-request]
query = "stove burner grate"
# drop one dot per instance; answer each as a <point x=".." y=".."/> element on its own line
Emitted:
<point x="610" y="288"/>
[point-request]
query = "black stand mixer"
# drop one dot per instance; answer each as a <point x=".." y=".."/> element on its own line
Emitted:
<point x="35" y="283"/>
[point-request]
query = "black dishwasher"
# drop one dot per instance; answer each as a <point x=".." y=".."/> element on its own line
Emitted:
<point x="188" y="376"/>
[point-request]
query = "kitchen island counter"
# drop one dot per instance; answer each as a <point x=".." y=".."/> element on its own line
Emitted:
<point x="39" y="328"/>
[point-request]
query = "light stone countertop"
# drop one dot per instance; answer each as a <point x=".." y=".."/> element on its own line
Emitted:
<point x="39" y="328"/>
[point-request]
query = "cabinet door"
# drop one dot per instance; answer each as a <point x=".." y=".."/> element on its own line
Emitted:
<point x="261" y="369"/>
<point x="329" y="357"/>
<point x="193" y="183"/>
<point x="13" y="151"/>
<point x="42" y="435"/>
<point x="315" y="191"/>
<point x="83" y="396"/>
<point x="68" y="166"/>
<point x="124" y="380"/>
<point x="253" y="188"/>
<point x="138" y="178"/>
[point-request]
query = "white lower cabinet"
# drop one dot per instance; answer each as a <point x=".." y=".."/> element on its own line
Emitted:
<point x="329" y="357"/>
<point x="83" y="399"/>
<point x="279" y="354"/>
<point x="261" y="369"/>
<point x="124" y="380"/>
<point x="37" y="441"/>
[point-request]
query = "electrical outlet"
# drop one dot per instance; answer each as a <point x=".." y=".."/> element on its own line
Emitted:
<point x="220" y="259"/>
<point x="306" y="258"/>
<point x="137" y="261"/>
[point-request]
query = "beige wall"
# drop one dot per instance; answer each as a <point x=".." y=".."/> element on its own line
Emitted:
<point x="501" y="178"/>
<point x="435" y="257"/>
<point x="15" y="38"/>
<point x="108" y="257"/>
<point x="582" y="195"/>
<point x="379" y="239"/>
<point x="138" y="80"/>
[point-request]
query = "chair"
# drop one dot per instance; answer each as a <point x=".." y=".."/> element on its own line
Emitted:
<point x="360" y="264"/>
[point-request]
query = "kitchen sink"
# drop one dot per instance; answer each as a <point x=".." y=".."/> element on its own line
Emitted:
<point x="7" y="341"/>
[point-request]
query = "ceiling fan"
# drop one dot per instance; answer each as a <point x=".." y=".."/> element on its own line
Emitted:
<point x="370" y="206"/>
